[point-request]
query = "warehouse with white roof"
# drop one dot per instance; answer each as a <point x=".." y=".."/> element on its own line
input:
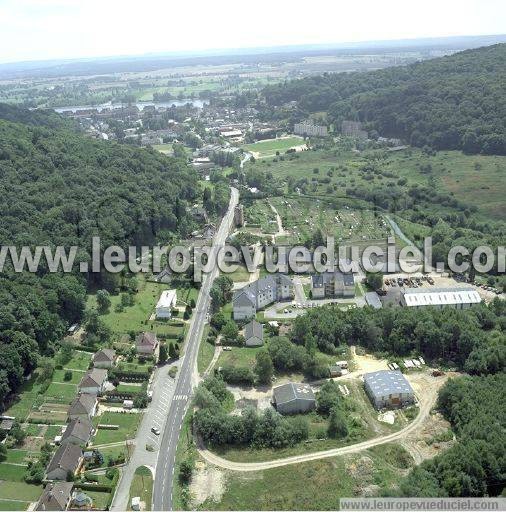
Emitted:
<point x="458" y="298"/>
<point x="388" y="389"/>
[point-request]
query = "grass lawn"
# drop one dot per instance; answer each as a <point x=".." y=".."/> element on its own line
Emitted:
<point x="58" y="376"/>
<point x="51" y="432"/>
<point x="16" y="456"/>
<point x="13" y="505"/>
<point x="281" y="489"/>
<point x="206" y="352"/>
<point x="240" y="275"/>
<point x="112" y="452"/>
<point x="19" y="490"/>
<point x="142" y="486"/>
<point x="62" y="392"/>
<point x="80" y="361"/>
<point x="185" y="447"/>
<point x="100" y="499"/>
<point x="269" y="147"/>
<point x="136" y="318"/>
<point x="239" y="356"/>
<point x="128" y="424"/>
<point x="12" y="472"/>
<point x="129" y="388"/>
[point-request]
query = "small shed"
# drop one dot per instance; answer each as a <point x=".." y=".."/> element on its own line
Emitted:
<point x="136" y="503"/>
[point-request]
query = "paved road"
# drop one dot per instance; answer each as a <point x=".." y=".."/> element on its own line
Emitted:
<point x="426" y="403"/>
<point x="187" y="375"/>
<point x="163" y="389"/>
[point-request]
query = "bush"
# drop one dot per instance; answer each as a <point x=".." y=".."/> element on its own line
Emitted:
<point x="67" y="375"/>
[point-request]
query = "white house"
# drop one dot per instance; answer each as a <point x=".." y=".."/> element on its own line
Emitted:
<point x="167" y="301"/>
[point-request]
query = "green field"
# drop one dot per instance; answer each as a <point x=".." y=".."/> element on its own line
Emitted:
<point x="61" y="392"/>
<point x="12" y="472"/>
<point x="128" y="424"/>
<point x="316" y="485"/>
<point x="206" y="352"/>
<point x="266" y="148"/>
<point x="142" y="486"/>
<point x="29" y="393"/>
<point x="19" y="491"/>
<point x="136" y="318"/>
<point x="80" y="361"/>
<point x="59" y="377"/>
<point x="239" y="356"/>
<point x="9" y="505"/>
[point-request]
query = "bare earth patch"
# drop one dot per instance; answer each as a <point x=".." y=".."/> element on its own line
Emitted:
<point x="208" y="482"/>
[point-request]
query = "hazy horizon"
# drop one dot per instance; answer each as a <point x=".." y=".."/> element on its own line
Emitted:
<point x="72" y="29"/>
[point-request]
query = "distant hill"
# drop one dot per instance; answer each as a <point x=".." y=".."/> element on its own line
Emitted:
<point x="453" y="102"/>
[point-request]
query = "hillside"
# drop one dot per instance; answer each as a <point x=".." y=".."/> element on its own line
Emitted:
<point x="59" y="187"/>
<point x="453" y="102"/>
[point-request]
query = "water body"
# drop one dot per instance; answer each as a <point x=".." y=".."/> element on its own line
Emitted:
<point x="140" y="105"/>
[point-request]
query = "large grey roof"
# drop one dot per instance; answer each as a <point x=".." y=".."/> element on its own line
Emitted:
<point x="104" y="355"/>
<point x="254" y="328"/>
<point x="318" y="280"/>
<point x="79" y="428"/>
<point x="250" y="292"/>
<point x="55" y="496"/>
<point x="441" y="296"/>
<point x="386" y="382"/>
<point x="93" y="377"/>
<point x="292" y="391"/>
<point x="66" y="457"/>
<point x="83" y="404"/>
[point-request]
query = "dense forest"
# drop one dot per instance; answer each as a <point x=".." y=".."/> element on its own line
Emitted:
<point x="453" y="102"/>
<point x="59" y="187"/>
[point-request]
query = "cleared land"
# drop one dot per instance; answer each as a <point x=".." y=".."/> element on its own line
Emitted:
<point x="266" y="148"/>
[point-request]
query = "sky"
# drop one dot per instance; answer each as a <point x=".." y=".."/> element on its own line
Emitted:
<point x="60" y="29"/>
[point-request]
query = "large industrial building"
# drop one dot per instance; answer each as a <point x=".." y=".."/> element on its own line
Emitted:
<point x="261" y="293"/>
<point x="388" y="389"/>
<point x="332" y="284"/>
<point x="458" y="298"/>
<point x="293" y="398"/>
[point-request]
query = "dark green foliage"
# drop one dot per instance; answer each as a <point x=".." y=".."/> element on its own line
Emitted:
<point x="337" y="423"/>
<point x="217" y="427"/>
<point x="327" y="398"/>
<point x="238" y="375"/>
<point x="264" y="368"/>
<point x="453" y="102"/>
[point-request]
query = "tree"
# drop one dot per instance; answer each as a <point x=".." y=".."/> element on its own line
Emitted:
<point x="173" y="352"/>
<point x="67" y="375"/>
<point x="327" y="398"/>
<point x="103" y="301"/>
<point x="337" y="423"/>
<point x="185" y="471"/>
<point x="3" y="452"/>
<point x="374" y="280"/>
<point x="164" y="353"/>
<point x="230" y="331"/>
<point x="264" y="368"/>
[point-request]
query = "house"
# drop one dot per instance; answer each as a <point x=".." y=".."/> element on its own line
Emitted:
<point x="456" y="297"/>
<point x="388" y="389"/>
<point x="261" y="293"/>
<point x="146" y="343"/>
<point x="81" y="501"/>
<point x="104" y="358"/>
<point x="84" y="406"/>
<point x="293" y="398"/>
<point x="254" y="334"/>
<point x="56" y="496"/>
<point x="93" y="381"/>
<point x="66" y="460"/>
<point x="6" y="424"/>
<point x="165" y="303"/>
<point x="78" y="432"/>
<point x="332" y="284"/>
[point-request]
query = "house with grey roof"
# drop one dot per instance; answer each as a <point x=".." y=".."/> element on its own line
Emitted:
<point x="254" y="334"/>
<point x="332" y="284"/>
<point x="388" y="389"/>
<point x="293" y="398"/>
<point x="84" y="406"/>
<point x="372" y="299"/>
<point x="66" y="460"/>
<point x="259" y="294"/>
<point x="78" y="431"/>
<point x="146" y="343"/>
<point x="56" y="496"/>
<point x="93" y="381"/>
<point x="104" y="358"/>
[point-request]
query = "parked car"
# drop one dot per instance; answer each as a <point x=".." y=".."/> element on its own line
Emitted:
<point x="155" y="431"/>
